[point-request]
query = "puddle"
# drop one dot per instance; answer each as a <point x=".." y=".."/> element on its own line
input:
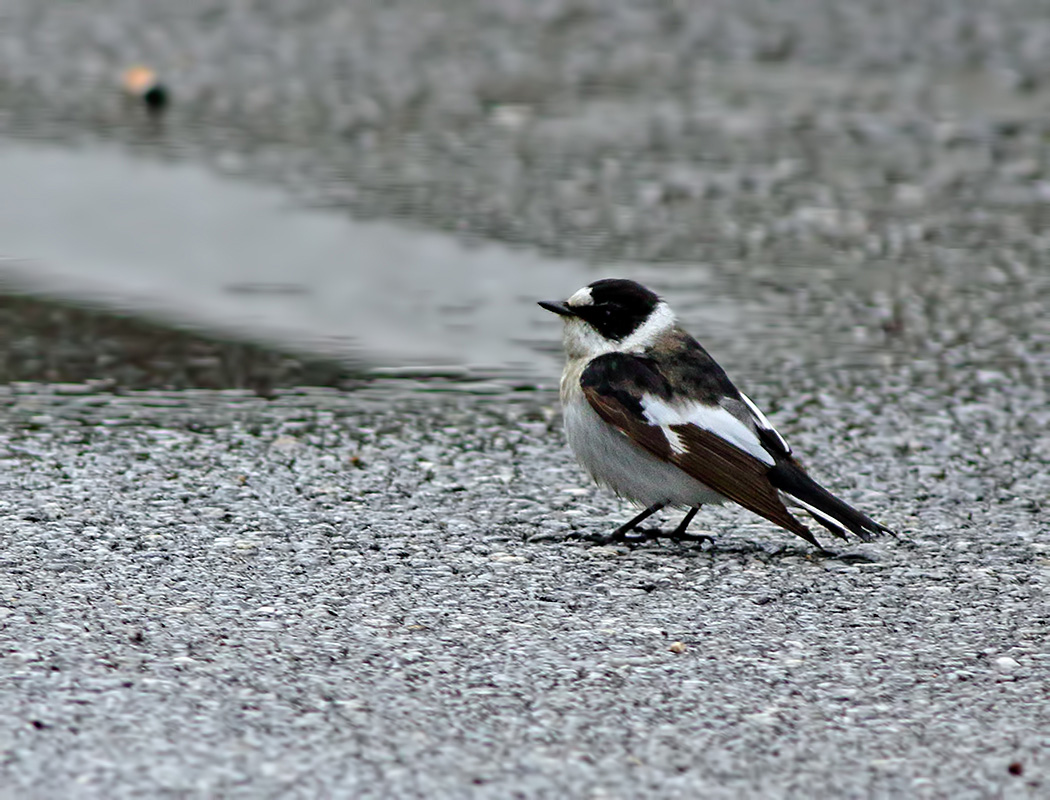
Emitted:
<point x="101" y="226"/>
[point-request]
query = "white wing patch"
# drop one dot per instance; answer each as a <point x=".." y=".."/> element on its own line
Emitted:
<point x="673" y="439"/>
<point x="764" y="423"/>
<point x="711" y="418"/>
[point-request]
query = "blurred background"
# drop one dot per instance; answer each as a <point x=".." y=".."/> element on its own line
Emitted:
<point x="261" y="194"/>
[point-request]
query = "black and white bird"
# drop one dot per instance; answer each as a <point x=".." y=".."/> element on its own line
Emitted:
<point x="650" y="414"/>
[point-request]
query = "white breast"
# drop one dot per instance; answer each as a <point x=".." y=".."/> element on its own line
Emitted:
<point x="615" y="461"/>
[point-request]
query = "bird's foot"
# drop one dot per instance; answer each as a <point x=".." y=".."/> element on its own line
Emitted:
<point x="640" y="536"/>
<point x="635" y="536"/>
<point x="604" y="538"/>
<point x="679" y="535"/>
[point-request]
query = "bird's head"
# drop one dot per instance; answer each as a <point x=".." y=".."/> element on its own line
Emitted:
<point x="611" y="315"/>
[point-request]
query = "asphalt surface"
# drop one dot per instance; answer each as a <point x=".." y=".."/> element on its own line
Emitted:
<point x="375" y="593"/>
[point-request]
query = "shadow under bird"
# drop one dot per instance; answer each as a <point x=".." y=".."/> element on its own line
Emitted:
<point x="650" y="414"/>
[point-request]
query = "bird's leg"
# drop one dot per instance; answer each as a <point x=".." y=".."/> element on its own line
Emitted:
<point x="620" y="534"/>
<point x="679" y="534"/>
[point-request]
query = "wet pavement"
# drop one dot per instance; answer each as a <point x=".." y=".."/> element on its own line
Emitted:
<point x="366" y="590"/>
<point x="174" y="240"/>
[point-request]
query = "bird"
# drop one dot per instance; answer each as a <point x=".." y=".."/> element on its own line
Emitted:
<point x="651" y="415"/>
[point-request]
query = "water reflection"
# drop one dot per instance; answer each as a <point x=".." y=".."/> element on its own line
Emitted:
<point x="57" y="342"/>
<point x="242" y="260"/>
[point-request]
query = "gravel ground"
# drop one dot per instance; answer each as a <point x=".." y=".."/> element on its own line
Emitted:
<point x="370" y="593"/>
<point x="345" y="594"/>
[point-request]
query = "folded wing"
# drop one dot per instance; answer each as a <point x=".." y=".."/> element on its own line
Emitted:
<point x="702" y="438"/>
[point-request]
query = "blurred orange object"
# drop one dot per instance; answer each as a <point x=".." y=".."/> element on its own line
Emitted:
<point x="142" y="83"/>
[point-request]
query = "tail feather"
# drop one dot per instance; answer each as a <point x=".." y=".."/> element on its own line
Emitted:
<point x="835" y="515"/>
<point x="828" y="522"/>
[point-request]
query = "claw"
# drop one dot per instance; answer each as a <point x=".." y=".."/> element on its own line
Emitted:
<point x="678" y="535"/>
<point x="641" y="536"/>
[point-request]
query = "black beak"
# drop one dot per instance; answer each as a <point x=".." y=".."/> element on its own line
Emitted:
<point x="557" y="307"/>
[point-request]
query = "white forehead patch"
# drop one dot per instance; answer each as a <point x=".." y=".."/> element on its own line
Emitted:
<point x="582" y="298"/>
